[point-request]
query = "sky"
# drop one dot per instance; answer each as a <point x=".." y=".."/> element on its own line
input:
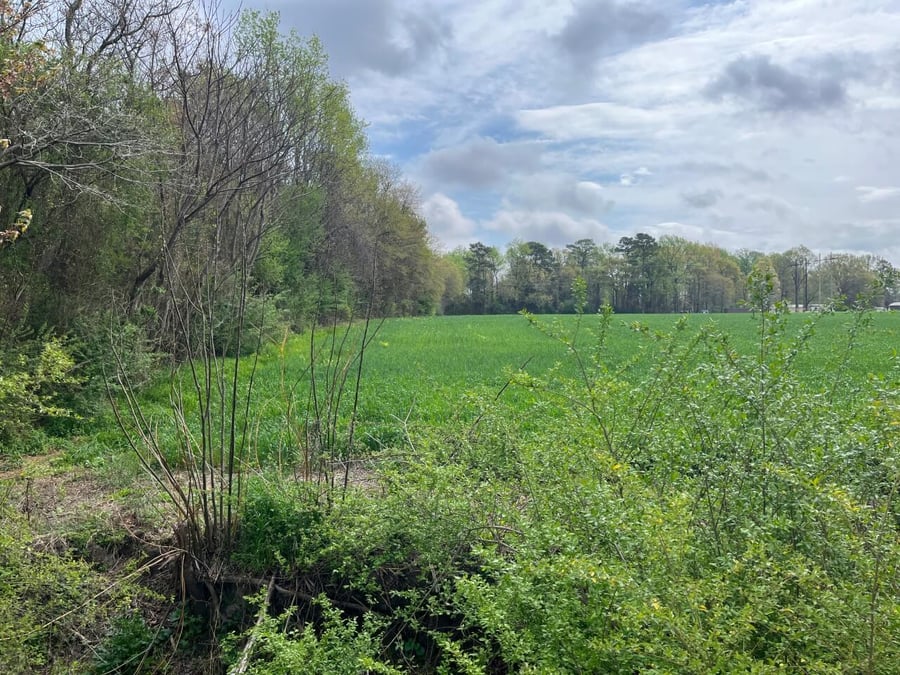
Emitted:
<point x="760" y="124"/>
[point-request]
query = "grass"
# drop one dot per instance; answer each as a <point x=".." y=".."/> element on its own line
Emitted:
<point x="428" y="365"/>
<point x="443" y="370"/>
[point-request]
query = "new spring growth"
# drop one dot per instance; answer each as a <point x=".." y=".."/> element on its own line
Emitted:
<point x="23" y="220"/>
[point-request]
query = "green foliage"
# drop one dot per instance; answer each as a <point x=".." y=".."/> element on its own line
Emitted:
<point x="645" y="496"/>
<point x="129" y="647"/>
<point x="439" y="370"/>
<point x="340" y="647"/>
<point x="640" y="496"/>
<point x="33" y="375"/>
<point x="52" y="607"/>
<point x="242" y="331"/>
<point x="281" y="526"/>
<point x="627" y="496"/>
<point x="694" y="517"/>
<point x="106" y="345"/>
<point x="657" y="501"/>
<point x="763" y="287"/>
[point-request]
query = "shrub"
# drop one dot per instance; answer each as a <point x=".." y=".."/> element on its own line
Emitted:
<point x="340" y="647"/>
<point x="712" y="512"/>
<point x="129" y="647"/>
<point x="240" y="331"/>
<point x="33" y="376"/>
<point x="53" y="608"/>
<point x="281" y="525"/>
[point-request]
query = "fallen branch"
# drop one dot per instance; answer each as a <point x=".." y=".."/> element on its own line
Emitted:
<point x="244" y="663"/>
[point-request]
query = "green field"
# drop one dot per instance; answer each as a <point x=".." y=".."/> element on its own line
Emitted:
<point x="431" y="370"/>
<point x="412" y="357"/>
<point x="436" y="372"/>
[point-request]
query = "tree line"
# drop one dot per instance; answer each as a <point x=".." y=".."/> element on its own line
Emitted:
<point x="643" y="274"/>
<point x="157" y="156"/>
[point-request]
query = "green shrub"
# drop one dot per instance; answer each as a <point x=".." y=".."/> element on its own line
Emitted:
<point x="340" y="647"/>
<point x="108" y="347"/>
<point x="129" y="647"/>
<point x="711" y="511"/>
<point x="281" y="525"/>
<point x="33" y="376"/>
<point x="232" y="335"/>
<point x="53" y="608"/>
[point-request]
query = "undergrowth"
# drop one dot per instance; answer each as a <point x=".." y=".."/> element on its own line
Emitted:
<point x="698" y="505"/>
<point x="57" y="611"/>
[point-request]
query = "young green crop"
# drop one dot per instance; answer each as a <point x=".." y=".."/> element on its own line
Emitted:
<point x="434" y="370"/>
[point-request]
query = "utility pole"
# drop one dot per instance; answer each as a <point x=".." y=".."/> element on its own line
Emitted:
<point x="819" y="275"/>
<point x="805" y="284"/>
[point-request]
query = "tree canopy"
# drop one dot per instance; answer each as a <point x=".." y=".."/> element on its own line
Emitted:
<point x="153" y="151"/>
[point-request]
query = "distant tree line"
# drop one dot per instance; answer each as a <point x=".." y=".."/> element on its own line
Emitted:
<point x="643" y="274"/>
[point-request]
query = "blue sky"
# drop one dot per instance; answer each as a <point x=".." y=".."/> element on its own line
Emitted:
<point x="760" y="124"/>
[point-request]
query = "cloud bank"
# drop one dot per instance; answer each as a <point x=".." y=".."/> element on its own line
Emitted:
<point x="756" y="123"/>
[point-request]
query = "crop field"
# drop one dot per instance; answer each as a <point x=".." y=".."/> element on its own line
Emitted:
<point x="443" y="370"/>
<point x="439" y="357"/>
<point x="426" y="367"/>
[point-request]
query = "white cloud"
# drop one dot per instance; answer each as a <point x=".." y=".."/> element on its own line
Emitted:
<point x="557" y="191"/>
<point x="553" y="228"/>
<point x="541" y="129"/>
<point x="677" y="229"/>
<point x="867" y="193"/>
<point x="595" y="120"/>
<point x="446" y="222"/>
<point x="703" y="235"/>
<point x="590" y="195"/>
<point x="480" y="163"/>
